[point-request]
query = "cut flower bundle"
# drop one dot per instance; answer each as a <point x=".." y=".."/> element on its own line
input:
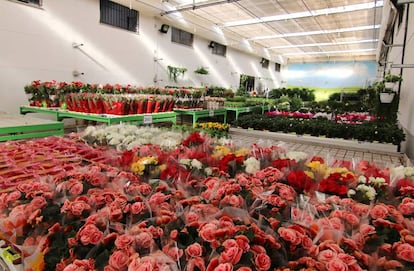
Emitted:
<point x="203" y="206"/>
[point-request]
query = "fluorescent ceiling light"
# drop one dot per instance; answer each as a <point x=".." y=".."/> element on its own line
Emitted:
<point x="322" y="44"/>
<point x="296" y="15"/>
<point x="317" y="32"/>
<point x="330" y="52"/>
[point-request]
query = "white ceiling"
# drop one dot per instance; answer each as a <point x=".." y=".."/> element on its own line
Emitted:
<point x="279" y="30"/>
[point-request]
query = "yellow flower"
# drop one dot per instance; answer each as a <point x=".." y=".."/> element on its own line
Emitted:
<point x="241" y="152"/>
<point x="221" y="151"/>
<point x="138" y="168"/>
<point x="310" y="174"/>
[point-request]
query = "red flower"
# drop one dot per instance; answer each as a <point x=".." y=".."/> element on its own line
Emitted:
<point x="126" y="158"/>
<point x="284" y="163"/>
<point x="193" y="139"/>
<point x="300" y="181"/>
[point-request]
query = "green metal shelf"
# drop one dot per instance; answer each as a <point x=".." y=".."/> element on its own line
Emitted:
<point x="239" y="110"/>
<point x="105" y="118"/>
<point x="17" y="127"/>
<point x="196" y="114"/>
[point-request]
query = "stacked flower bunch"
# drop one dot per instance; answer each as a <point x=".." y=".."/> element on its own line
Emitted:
<point x="126" y="137"/>
<point x="189" y="98"/>
<point x="203" y="206"/>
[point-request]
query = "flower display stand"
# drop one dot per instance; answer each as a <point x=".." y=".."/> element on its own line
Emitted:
<point x="203" y="113"/>
<point x="386" y="97"/>
<point x="19" y="127"/>
<point x="105" y="118"/>
<point x="239" y="110"/>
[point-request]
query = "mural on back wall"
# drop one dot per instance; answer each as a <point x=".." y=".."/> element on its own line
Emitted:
<point x="331" y="77"/>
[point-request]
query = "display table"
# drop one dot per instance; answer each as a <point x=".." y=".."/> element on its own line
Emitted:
<point x="18" y="127"/>
<point x="239" y="110"/>
<point x="202" y="113"/>
<point x="60" y="114"/>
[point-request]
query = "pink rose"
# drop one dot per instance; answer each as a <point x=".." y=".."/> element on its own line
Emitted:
<point x="347" y="259"/>
<point x="360" y="209"/>
<point x="366" y="229"/>
<point x="244" y="268"/>
<point x="224" y="267"/>
<point x="13" y="196"/>
<point x="144" y="240"/>
<point x="135" y="262"/>
<point x="306" y="242"/>
<point x="351" y="219"/>
<point x="123" y="241"/>
<point x="194" y="250"/>
<point x="405" y="252"/>
<point x="207" y="232"/>
<point x="84" y="265"/>
<point x="119" y="260"/>
<point x="258" y="249"/>
<point x="77" y="208"/>
<point x="174" y="252"/>
<point x="89" y="234"/>
<point x="243" y="242"/>
<point x="336" y="265"/>
<point x="231" y="255"/>
<point x="38" y="203"/>
<point x="287" y="192"/>
<point x="194" y="263"/>
<point x="229" y="243"/>
<point x="137" y="207"/>
<point x="406" y="207"/>
<point x="379" y="211"/>
<point x="326" y="255"/>
<point x="276" y="201"/>
<point x="145" y="266"/>
<point x="289" y="235"/>
<point x="144" y="189"/>
<point x="262" y="262"/>
<point x="76" y="188"/>
<point x="393" y="265"/>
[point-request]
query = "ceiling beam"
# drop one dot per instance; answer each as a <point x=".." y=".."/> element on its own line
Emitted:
<point x="193" y="7"/>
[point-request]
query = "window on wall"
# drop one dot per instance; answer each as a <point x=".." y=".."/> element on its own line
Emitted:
<point x="34" y="2"/>
<point x="277" y="67"/>
<point x="182" y="37"/>
<point x="119" y="16"/>
<point x="265" y="63"/>
<point x="219" y="49"/>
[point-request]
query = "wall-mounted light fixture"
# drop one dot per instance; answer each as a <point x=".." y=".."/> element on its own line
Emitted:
<point x="212" y="44"/>
<point x="76" y="45"/>
<point x="164" y="28"/>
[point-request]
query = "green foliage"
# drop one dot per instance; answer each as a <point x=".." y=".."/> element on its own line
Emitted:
<point x="215" y="91"/>
<point x="303" y="93"/>
<point x="201" y="70"/>
<point x="371" y="131"/>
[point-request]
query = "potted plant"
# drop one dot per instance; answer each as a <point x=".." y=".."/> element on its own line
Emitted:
<point x="391" y="79"/>
<point x="173" y="72"/>
<point x="386" y="94"/>
<point x="201" y="70"/>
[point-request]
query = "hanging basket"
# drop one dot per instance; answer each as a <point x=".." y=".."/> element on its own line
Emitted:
<point x="389" y="85"/>
<point x="386" y="97"/>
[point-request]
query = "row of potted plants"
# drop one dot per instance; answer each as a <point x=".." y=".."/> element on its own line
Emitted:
<point x="119" y="104"/>
<point x="371" y="131"/>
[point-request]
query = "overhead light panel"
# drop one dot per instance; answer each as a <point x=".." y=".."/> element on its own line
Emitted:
<point x="304" y="14"/>
<point x="317" y="32"/>
<point x="322" y="44"/>
<point x="330" y="52"/>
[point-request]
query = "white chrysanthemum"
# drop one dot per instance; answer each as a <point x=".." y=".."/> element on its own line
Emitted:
<point x="351" y="192"/>
<point x="185" y="162"/>
<point x="208" y="171"/>
<point x="89" y="131"/>
<point x="133" y="144"/>
<point x="362" y="179"/>
<point x="368" y="191"/>
<point x="397" y="173"/>
<point x="378" y="181"/>
<point x="409" y="171"/>
<point x="196" y="164"/>
<point x="115" y="140"/>
<point x="252" y="165"/>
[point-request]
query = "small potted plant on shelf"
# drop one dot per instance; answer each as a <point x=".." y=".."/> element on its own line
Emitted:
<point x="386" y="95"/>
<point x="201" y="70"/>
<point x="390" y="80"/>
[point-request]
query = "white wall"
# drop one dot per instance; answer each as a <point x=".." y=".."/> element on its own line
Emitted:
<point x="406" y="108"/>
<point x="36" y="44"/>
